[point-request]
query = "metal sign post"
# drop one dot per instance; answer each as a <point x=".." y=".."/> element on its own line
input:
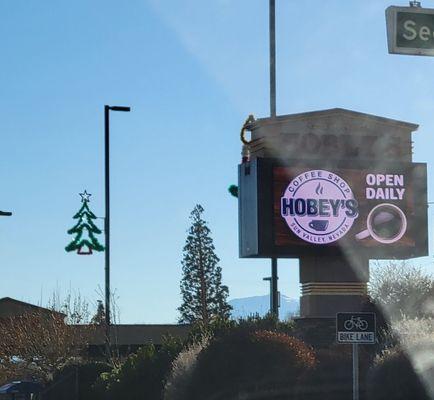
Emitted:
<point x="356" y="328"/>
<point x="355" y="371"/>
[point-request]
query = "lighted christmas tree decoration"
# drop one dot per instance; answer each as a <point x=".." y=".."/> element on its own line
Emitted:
<point x="85" y="241"/>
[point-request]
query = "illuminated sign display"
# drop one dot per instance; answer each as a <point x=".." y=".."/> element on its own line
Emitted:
<point x="366" y="206"/>
<point x="380" y="210"/>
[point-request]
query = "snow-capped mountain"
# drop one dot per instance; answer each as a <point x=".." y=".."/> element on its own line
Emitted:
<point x="246" y="306"/>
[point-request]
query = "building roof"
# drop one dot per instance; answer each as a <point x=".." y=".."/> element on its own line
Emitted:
<point x="137" y="334"/>
<point x="122" y="335"/>
<point x="338" y="112"/>
<point x="11" y="307"/>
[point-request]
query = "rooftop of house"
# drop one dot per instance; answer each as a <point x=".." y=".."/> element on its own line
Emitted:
<point x="11" y="307"/>
<point x="135" y="334"/>
<point x="120" y="334"/>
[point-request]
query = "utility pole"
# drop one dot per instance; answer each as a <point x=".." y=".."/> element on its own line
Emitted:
<point x="273" y="283"/>
<point x="272" y="58"/>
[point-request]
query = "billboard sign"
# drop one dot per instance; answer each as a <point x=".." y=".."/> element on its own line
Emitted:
<point x="410" y="30"/>
<point x="366" y="208"/>
<point x="355" y="328"/>
<point x="380" y="210"/>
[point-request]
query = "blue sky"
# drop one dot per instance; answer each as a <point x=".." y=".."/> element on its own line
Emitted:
<point x="191" y="71"/>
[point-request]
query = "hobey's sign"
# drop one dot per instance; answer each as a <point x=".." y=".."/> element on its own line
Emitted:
<point x="380" y="210"/>
<point x="319" y="206"/>
<point x="334" y="188"/>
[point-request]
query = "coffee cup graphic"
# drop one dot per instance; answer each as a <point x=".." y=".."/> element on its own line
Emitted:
<point x="386" y="223"/>
<point x="319" y="225"/>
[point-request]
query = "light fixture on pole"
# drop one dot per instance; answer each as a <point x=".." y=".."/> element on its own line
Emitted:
<point x="5" y="214"/>
<point x="107" y="110"/>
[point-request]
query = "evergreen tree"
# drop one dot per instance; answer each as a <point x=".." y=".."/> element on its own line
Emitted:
<point x="204" y="298"/>
<point x="99" y="317"/>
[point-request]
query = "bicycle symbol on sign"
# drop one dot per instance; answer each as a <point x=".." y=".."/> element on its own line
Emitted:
<point x="356" y="323"/>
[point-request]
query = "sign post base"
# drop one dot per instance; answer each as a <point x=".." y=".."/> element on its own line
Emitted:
<point x="332" y="284"/>
<point x="355" y="371"/>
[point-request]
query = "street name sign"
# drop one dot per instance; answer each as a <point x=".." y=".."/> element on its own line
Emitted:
<point x="356" y="328"/>
<point x="410" y="30"/>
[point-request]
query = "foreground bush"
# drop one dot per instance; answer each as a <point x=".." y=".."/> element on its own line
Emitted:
<point x="331" y="379"/>
<point x="243" y="361"/>
<point x="221" y="327"/>
<point x="394" y="378"/>
<point x="141" y="376"/>
<point x="76" y="380"/>
<point x="413" y="331"/>
<point x="182" y="370"/>
<point x="400" y="288"/>
<point x="37" y="345"/>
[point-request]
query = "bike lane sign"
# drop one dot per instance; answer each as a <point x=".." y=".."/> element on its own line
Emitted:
<point x="355" y="328"/>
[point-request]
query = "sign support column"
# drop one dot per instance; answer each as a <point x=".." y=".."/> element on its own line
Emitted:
<point x="355" y="371"/>
<point x="274" y="291"/>
<point x="356" y="328"/>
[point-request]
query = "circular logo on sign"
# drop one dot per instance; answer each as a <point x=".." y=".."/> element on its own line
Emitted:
<point x="319" y="206"/>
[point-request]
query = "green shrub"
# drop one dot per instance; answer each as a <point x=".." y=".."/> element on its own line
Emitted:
<point x="76" y="377"/>
<point x="243" y="360"/>
<point x="182" y="370"/>
<point x="142" y="375"/>
<point x="220" y="327"/>
<point x="394" y="378"/>
<point x="331" y="379"/>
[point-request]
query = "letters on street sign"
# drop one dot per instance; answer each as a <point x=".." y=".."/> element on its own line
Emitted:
<point x="410" y="30"/>
<point x="355" y="328"/>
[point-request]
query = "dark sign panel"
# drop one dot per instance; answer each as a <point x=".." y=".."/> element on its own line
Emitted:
<point x="355" y="328"/>
<point x="410" y="30"/>
<point x="377" y="210"/>
<point x="367" y="207"/>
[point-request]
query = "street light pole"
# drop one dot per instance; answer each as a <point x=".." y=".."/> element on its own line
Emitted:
<point x="107" y="110"/>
